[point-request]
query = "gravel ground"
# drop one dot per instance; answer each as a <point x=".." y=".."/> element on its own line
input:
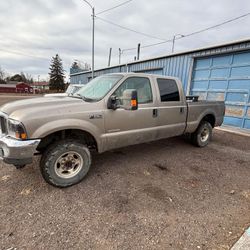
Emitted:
<point x="162" y="195"/>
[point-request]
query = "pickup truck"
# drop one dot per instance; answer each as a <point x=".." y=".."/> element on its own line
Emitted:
<point x="112" y="111"/>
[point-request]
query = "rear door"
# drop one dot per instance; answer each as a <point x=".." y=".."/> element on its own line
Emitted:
<point x="172" y="109"/>
<point x="126" y="127"/>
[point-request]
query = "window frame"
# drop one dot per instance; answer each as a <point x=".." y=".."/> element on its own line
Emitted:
<point x="150" y="85"/>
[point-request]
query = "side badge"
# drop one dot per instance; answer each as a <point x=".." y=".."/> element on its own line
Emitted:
<point x="97" y="116"/>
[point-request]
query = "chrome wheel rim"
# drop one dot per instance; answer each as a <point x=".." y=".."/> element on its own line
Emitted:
<point x="204" y="134"/>
<point x="68" y="164"/>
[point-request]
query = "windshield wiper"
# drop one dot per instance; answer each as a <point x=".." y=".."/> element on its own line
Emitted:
<point x="86" y="99"/>
<point x="75" y="96"/>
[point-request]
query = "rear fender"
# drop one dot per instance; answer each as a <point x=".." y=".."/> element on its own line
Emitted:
<point x="193" y="124"/>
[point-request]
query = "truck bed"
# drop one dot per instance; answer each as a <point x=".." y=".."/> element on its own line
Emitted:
<point x="199" y="109"/>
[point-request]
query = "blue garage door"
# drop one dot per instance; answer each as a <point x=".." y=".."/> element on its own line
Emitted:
<point x="225" y="78"/>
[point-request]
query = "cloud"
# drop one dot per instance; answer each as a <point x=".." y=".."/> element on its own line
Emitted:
<point x="33" y="31"/>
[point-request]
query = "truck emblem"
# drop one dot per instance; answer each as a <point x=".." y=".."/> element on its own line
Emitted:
<point x="97" y="116"/>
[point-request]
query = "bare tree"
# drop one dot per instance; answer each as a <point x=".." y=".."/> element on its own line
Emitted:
<point x="2" y="76"/>
<point x="29" y="78"/>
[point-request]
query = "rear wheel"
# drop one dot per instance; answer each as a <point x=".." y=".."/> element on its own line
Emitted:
<point x="202" y="135"/>
<point x="65" y="163"/>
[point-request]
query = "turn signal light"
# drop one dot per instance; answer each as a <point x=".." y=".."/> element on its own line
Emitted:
<point x="133" y="103"/>
<point x="22" y="136"/>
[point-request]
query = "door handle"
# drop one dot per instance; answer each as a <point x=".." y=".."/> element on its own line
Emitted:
<point x="181" y="110"/>
<point x="155" y="112"/>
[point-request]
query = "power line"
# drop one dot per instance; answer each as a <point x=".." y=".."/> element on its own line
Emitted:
<point x="217" y="25"/>
<point x="151" y="45"/>
<point x="193" y="33"/>
<point x="117" y="6"/>
<point x="138" y="32"/>
<point x="125" y="28"/>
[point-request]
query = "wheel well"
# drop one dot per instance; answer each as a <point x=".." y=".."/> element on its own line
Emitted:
<point x="209" y="118"/>
<point x="77" y="134"/>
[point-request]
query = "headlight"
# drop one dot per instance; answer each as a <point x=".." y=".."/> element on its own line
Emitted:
<point x="16" y="129"/>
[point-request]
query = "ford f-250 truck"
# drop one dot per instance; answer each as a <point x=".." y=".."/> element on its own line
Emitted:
<point x="112" y="111"/>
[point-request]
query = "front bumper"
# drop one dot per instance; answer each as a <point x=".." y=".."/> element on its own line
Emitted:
<point x="17" y="152"/>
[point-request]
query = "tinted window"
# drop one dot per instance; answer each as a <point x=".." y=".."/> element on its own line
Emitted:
<point x="141" y="84"/>
<point x="168" y="90"/>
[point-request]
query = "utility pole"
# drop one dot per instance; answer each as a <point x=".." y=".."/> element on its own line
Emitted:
<point x="93" y="42"/>
<point x="93" y="37"/>
<point x="138" y="51"/>
<point x="34" y="88"/>
<point x="174" y="38"/>
<point x="110" y="51"/>
<point x="120" y="54"/>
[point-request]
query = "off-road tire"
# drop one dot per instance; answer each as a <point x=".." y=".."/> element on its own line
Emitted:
<point x="53" y="153"/>
<point x="198" y="138"/>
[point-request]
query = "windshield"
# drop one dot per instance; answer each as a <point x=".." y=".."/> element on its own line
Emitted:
<point x="97" y="88"/>
<point x="73" y="88"/>
<point x="69" y="89"/>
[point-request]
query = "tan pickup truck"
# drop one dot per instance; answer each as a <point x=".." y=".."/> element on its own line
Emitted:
<point x="112" y="111"/>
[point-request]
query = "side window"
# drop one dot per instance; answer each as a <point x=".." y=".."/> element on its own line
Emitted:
<point x="141" y="84"/>
<point x="168" y="90"/>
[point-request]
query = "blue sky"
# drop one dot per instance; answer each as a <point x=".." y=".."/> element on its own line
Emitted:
<point x="32" y="31"/>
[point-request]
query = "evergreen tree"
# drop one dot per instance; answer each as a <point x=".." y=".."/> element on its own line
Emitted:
<point x="17" y="78"/>
<point x="56" y="74"/>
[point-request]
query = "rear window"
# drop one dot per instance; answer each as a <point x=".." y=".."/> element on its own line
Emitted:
<point x="168" y="90"/>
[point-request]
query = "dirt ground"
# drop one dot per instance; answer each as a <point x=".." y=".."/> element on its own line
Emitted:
<point x="13" y="97"/>
<point x="162" y="195"/>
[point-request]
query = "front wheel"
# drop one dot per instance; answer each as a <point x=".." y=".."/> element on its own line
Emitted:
<point x="202" y="135"/>
<point x="65" y="163"/>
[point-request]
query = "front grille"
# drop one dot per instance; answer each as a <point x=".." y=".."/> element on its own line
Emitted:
<point x="3" y="128"/>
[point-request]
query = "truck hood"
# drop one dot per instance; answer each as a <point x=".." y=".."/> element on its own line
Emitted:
<point x="44" y="115"/>
<point x="43" y="106"/>
<point x="56" y="95"/>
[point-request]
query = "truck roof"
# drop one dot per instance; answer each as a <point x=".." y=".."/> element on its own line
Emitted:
<point x="143" y="74"/>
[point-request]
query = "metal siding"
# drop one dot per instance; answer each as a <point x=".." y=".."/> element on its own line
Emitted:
<point x="181" y="66"/>
<point x="225" y="77"/>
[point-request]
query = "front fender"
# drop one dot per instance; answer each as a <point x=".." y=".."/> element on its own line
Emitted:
<point x="58" y="125"/>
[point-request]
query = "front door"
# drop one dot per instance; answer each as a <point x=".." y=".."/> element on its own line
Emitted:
<point x="127" y="127"/>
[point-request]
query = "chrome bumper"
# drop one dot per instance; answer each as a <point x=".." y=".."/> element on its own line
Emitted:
<point x="17" y="152"/>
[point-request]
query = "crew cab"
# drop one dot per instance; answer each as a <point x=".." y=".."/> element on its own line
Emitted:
<point x="111" y="111"/>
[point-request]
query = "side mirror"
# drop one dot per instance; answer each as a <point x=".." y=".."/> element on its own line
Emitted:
<point x="112" y="102"/>
<point x="129" y="99"/>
